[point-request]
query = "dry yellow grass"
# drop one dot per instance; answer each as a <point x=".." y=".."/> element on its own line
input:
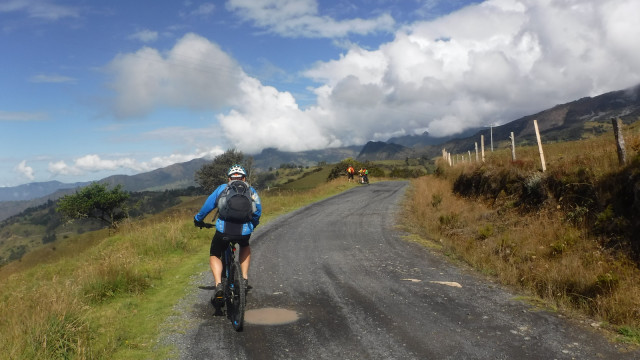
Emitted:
<point x="540" y="253"/>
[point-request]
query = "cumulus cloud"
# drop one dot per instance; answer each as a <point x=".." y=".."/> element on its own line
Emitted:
<point x="266" y="117"/>
<point x="145" y="36"/>
<point x="40" y="9"/>
<point x="487" y="63"/>
<point x="25" y="170"/>
<point x="300" y="18"/>
<point x="93" y="163"/>
<point x="196" y="74"/>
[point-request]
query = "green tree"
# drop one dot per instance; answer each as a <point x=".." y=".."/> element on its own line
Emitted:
<point x="97" y="202"/>
<point x="213" y="174"/>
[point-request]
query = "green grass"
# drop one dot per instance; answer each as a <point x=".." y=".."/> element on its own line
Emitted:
<point x="102" y="296"/>
<point x="309" y="180"/>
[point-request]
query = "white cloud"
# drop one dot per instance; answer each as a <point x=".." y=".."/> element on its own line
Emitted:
<point x="491" y="62"/>
<point x="54" y="78"/>
<point x="25" y="170"/>
<point x="300" y="18"/>
<point x="23" y="116"/>
<point x="61" y="168"/>
<point x="196" y="74"/>
<point x="145" y="36"/>
<point x="93" y="163"/>
<point x="488" y="63"/>
<point x="40" y="9"/>
<point x="204" y="9"/>
<point x="266" y="117"/>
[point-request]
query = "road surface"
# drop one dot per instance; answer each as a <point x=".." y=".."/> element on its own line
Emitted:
<point x="337" y="280"/>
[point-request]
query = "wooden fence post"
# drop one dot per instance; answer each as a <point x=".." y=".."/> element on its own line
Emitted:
<point x="476" y="151"/>
<point x="513" y="147"/>
<point x="617" y="131"/>
<point x="535" y="125"/>
<point x="482" y="146"/>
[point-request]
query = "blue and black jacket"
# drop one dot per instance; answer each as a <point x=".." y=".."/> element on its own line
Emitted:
<point x="212" y="202"/>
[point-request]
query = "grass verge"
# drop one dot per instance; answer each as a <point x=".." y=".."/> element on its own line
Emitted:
<point x="538" y="253"/>
<point x="109" y="299"/>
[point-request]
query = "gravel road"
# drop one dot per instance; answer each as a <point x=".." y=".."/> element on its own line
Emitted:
<point x="336" y="280"/>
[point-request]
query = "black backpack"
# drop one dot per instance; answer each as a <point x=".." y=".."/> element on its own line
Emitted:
<point x="235" y="203"/>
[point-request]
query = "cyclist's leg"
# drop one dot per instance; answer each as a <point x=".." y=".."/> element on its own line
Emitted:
<point x="245" y="255"/>
<point x="245" y="260"/>
<point x="216" y="268"/>
<point x="217" y="246"/>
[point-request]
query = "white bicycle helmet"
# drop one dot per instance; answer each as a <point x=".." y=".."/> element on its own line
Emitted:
<point x="236" y="170"/>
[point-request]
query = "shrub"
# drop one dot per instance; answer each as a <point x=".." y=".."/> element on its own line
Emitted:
<point x="485" y="232"/>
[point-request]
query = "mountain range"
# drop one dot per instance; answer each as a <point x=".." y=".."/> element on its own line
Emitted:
<point x="564" y="122"/>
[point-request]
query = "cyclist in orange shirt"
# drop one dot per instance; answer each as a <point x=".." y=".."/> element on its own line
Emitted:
<point x="350" y="172"/>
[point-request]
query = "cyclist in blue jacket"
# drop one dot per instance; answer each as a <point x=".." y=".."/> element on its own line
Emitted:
<point x="227" y="230"/>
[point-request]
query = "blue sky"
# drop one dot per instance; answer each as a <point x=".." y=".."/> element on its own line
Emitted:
<point x="90" y="89"/>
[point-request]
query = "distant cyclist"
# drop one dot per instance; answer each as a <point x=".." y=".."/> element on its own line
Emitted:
<point x="230" y="228"/>
<point x="364" y="175"/>
<point x="350" y="172"/>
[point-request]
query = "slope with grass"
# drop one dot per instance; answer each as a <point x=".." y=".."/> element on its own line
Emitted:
<point x="101" y="296"/>
<point x="106" y="296"/>
<point x="567" y="237"/>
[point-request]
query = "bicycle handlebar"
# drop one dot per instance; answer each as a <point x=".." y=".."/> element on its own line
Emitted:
<point x="202" y="224"/>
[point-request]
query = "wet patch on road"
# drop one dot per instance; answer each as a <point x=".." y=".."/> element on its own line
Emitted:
<point x="270" y="316"/>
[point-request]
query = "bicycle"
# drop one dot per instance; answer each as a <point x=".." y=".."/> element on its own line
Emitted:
<point x="235" y="291"/>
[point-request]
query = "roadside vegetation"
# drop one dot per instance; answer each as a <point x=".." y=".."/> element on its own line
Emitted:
<point x="101" y="296"/>
<point x="566" y="237"/>
<point x="562" y="237"/>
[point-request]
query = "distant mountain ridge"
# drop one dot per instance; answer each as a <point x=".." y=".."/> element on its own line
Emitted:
<point x="174" y="176"/>
<point x="35" y="190"/>
<point x="380" y="150"/>
<point x="272" y="157"/>
<point x="181" y="175"/>
<point x="562" y="122"/>
<point x="426" y="139"/>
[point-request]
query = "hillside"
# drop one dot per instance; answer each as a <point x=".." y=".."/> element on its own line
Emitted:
<point x="379" y="150"/>
<point x="42" y="225"/>
<point x="176" y="176"/>
<point x="34" y="190"/>
<point x="580" y="119"/>
<point x="142" y="271"/>
<point x="274" y="158"/>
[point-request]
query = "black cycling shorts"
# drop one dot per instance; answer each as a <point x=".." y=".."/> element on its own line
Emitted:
<point x="220" y="242"/>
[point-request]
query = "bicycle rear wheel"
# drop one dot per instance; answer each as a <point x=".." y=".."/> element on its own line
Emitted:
<point x="237" y="297"/>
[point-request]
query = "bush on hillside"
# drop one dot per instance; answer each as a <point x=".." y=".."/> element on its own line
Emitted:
<point x="95" y="202"/>
<point x="606" y="206"/>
